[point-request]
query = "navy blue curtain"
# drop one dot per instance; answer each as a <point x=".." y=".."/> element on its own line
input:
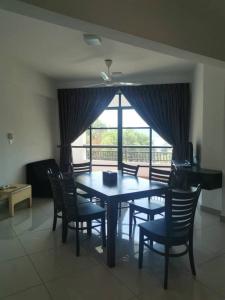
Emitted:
<point x="166" y="108"/>
<point x="78" y="109"/>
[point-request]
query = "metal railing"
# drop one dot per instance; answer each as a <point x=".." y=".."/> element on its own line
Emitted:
<point x="159" y="155"/>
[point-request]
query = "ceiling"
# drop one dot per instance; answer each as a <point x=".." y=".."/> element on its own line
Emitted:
<point x="61" y="53"/>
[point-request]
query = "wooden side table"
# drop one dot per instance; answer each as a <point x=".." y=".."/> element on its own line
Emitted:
<point x="17" y="193"/>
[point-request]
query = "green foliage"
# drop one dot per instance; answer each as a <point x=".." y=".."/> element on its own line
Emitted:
<point x="131" y="137"/>
<point x="109" y="137"/>
<point x="134" y="137"/>
<point x="98" y="123"/>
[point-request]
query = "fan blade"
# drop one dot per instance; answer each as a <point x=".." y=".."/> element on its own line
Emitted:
<point x="116" y="74"/>
<point x="96" y="85"/>
<point x="129" y="83"/>
<point x="105" y="76"/>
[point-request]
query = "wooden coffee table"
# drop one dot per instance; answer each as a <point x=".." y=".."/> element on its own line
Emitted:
<point x="17" y="193"/>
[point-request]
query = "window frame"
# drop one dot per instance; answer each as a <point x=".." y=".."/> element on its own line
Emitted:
<point x="120" y="145"/>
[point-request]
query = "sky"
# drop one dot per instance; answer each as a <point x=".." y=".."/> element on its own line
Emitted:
<point x="130" y="119"/>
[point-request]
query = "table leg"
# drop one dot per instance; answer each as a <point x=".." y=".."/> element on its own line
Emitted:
<point x="111" y="232"/>
<point x="30" y="198"/>
<point x="29" y="202"/>
<point x="11" y="207"/>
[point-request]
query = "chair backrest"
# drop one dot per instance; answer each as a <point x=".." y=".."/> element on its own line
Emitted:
<point x="54" y="179"/>
<point x="69" y="197"/>
<point x="129" y="169"/>
<point x="81" y="168"/>
<point x="160" y="175"/>
<point x="180" y="207"/>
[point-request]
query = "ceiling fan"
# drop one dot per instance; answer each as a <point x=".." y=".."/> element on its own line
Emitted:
<point x="109" y="78"/>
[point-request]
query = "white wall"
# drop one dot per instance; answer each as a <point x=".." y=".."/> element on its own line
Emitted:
<point x="196" y="122"/>
<point x="28" y="109"/>
<point x="208" y="126"/>
<point x="213" y="129"/>
<point x="213" y="120"/>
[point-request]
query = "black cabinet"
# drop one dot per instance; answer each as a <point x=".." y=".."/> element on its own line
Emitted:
<point x="37" y="177"/>
<point x="194" y="175"/>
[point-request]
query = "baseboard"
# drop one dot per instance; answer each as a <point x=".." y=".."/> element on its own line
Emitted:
<point x="210" y="210"/>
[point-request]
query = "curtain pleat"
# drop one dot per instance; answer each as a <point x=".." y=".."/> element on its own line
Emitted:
<point x="78" y="109"/>
<point x="166" y="108"/>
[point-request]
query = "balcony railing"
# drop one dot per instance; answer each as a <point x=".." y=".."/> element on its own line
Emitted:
<point x="160" y="156"/>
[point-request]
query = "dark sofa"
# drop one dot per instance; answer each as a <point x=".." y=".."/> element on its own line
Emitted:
<point x="37" y="177"/>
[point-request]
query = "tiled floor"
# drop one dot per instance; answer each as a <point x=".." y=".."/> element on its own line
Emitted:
<point x="35" y="265"/>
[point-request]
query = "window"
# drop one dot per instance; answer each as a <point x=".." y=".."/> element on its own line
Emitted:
<point x="121" y="135"/>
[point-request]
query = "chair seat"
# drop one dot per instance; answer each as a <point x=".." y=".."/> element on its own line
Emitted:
<point x="146" y="206"/>
<point x="156" y="230"/>
<point x="90" y="211"/>
<point x="82" y="200"/>
<point x="83" y="193"/>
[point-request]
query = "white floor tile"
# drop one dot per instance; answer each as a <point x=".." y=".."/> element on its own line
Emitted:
<point x="195" y="291"/>
<point x="96" y="283"/>
<point x="6" y="230"/>
<point x="30" y="220"/>
<point x="36" y="241"/>
<point x="17" y="275"/>
<point x="10" y="248"/>
<point x="31" y="252"/>
<point x="34" y="293"/>
<point x="212" y="239"/>
<point x="212" y="274"/>
<point x="62" y="261"/>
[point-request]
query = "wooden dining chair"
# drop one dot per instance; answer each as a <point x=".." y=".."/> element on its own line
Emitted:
<point x="149" y="206"/>
<point x="175" y="229"/>
<point x="57" y="199"/>
<point x="131" y="170"/>
<point x="78" y="169"/>
<point x="54" y="177"/>
<point x="76" y="213"/>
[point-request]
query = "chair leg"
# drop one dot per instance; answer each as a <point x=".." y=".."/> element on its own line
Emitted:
<point x="120" y="208"/>
<point x="141" y="249"/>
<point x="130" y="220"/>
<point x="77" y="239"/>
<point x="103" y="232"/>
<point x="167" y="249"/>
<point x="151" y="217"/>
<point x="191" y="257"/>
<point x="135" y="221"/>
<point x="102" y="203"/>
<point x="54" y="220"/>
<point x="89" y="224"/>
<point x="64" y="230"/>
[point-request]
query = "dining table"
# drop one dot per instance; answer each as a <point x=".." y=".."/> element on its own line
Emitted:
<point x="124" y="189"/>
